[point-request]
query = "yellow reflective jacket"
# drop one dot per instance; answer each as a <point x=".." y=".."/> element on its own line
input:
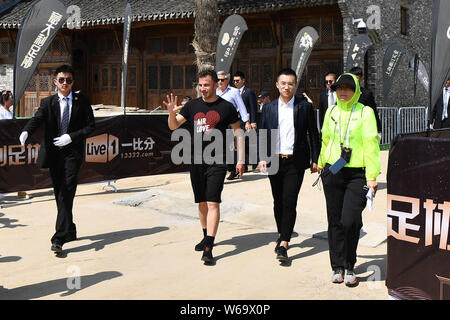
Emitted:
<point x="363" y="135"/>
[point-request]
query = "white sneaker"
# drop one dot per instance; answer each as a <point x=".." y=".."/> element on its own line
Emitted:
<point x="350" y="278"/>
<point x="337" y="276"/>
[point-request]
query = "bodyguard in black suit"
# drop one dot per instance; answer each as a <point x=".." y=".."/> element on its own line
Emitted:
<point x="327" y="97"/>
<point x="68" y="119"/>
<point x="249" y="98"/>
<point x="367" y="98"/>
<point x="294" y="118"/>
<point x="441" y="110"/>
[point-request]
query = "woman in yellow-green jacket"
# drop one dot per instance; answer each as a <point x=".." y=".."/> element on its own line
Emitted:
<point x="350" y="163"/>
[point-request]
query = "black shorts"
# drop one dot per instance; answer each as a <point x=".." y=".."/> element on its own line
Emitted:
<point x="207" y="181"/>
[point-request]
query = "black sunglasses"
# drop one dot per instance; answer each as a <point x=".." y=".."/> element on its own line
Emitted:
<point x="221" y="80"/>
<point x="62" y="79"/>
<point x="328" y="81"/>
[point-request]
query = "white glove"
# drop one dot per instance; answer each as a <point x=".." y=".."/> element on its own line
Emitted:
<point x="23" y="137"/>
<point x="62" y="141"/>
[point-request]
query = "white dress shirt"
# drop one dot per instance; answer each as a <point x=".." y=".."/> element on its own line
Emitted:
<point x="233" y="95"/>
<point x="331" y="98"/>
<point x="286" y="127"/>
<point x="445" y="96"/>
<point x="61" y="105"/>
<point x="5" y="114"/>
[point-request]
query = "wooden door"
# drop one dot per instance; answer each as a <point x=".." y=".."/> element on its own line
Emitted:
<point x="40" y="86"/>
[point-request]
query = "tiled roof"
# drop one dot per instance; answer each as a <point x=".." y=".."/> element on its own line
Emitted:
<point x="107" y="12"/>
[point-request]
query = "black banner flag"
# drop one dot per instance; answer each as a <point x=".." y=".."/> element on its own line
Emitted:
<point x="420" y="73"/>
<point x="391" y="62"/>
<point x="357" y="51"/>
<point x="303" y="45"/>
<point x="37" y="31"/>
<point x="440" y="50"/>
<point x="230" y="35"/>
<point x="126" y="41"/>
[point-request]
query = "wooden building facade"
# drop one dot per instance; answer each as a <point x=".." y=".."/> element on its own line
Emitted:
<point x="161" y="57"/>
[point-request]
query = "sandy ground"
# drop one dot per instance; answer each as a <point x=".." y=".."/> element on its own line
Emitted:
<point x="138" y="243"/>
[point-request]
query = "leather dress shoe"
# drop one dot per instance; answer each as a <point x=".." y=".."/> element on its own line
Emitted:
<point x="232" y="175"/>
<point x="56" y="247"/>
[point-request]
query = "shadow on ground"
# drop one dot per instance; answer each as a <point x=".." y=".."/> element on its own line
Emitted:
<point x="376" y="267"/>
<point x="10" y="259"/>
<point x="248" y="242"/>
<point x="102" y="240"/>
<point x="63" y="285"/>
<point x="9" y="223"/>
<point x="247" y="177"/>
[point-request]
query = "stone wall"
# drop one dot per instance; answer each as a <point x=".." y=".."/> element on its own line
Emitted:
<point x="6" y="77"/>
<point x="417" y="41"/>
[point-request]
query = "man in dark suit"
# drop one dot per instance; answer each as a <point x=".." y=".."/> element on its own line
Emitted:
<point x="440" y="114"/>
<point x="294" y="119"/>
<point x="367" y="98"/>
<point x="68" y="119"/>
<point x="249" y="98"/>
<point x="327" y="97"/>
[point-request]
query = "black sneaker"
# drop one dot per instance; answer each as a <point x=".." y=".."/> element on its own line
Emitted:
<point x="278" y="244"/>
<point x="233" y="175"/>
<point x="282" y="254"/>
<point x="207" y="255"/>
<point x="201" y="245"/>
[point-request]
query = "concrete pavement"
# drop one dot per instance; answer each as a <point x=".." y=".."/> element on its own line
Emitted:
<point x="138" y="243"/>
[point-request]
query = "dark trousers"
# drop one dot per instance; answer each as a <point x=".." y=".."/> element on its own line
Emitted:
<point x="285" y="185"/>
<point x="64" y="174"/>
<point x="346" y="199"/>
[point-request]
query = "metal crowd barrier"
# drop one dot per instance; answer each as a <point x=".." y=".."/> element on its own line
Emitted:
<point x="401" y="120"/>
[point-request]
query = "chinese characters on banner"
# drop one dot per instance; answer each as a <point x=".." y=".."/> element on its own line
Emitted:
<point x="436" y="221"/>
<point x="40" y="40"/>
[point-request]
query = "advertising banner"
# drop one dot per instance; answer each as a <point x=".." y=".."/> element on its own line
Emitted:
<point x="391" y="61"/>
<point x="230" y="35"/>
<point x="303" y="45"/>
<point x="357" y="51"/>
<point x="120" y="147"/>
<point x="37" y="31"/>
<point x="418" y="208"/>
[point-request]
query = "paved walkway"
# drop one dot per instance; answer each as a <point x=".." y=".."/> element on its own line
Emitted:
<point x="138" y="243"/>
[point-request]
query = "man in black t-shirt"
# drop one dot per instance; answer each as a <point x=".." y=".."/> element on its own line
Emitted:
<point x="209" y="115"/>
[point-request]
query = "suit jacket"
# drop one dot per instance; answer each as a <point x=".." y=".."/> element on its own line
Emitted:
<point x="81" y="125"/>
<point x="305" y="125"/>
<point x="368" y="99"/>
<point x="323" y="106"/>
<point x="437" y="112"/>
<point x="249" y="98"/>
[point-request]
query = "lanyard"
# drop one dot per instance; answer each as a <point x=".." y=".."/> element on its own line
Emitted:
<point x="347" y="135"/>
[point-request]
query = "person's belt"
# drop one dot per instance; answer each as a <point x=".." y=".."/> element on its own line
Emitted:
<point x="285" y="156"/>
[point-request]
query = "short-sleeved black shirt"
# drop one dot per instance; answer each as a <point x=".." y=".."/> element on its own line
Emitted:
<point x="205" y="116"/>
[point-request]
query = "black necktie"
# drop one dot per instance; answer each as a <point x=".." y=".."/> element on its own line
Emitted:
<point x="65" y="117"/>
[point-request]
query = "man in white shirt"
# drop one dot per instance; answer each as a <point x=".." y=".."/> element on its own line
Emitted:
<point x="232" y="95"/>
<point x="294" y="118"/>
